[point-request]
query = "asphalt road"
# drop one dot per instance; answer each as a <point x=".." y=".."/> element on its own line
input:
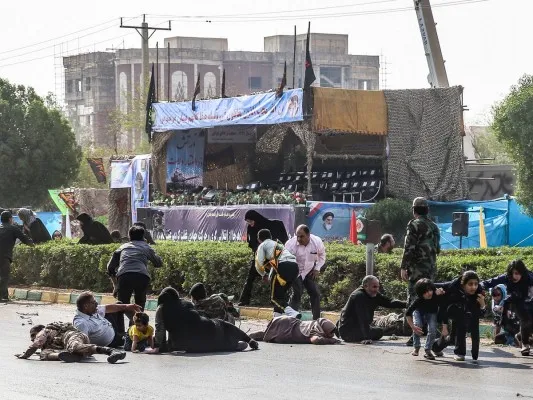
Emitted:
<point x="384" y="370"/>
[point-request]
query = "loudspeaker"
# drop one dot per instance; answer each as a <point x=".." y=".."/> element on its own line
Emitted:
<point x="460" y="224"/>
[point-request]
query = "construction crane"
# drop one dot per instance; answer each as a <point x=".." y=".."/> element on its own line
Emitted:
<point x="437" y="77"/>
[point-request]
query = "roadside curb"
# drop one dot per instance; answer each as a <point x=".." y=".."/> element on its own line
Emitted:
<point x="70" y="297"/>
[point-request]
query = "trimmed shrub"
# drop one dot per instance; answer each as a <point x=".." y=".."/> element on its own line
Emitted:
<point x="223" y="267"/>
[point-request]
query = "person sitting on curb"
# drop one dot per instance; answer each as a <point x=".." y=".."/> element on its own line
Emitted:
<point x="60" y="341"/>
<point x="358" y="313"/>
<point x="215" y="306"/>
<point x="97" y="322"/>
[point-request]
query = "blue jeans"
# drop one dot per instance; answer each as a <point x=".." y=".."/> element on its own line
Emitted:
<point x="421" y="319"/>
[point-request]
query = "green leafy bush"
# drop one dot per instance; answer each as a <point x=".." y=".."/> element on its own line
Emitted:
<point x="393" y="215"/>
<point x="223" y="267"/>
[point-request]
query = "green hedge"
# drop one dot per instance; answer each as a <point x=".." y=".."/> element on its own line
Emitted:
<point x="223" y="267"/>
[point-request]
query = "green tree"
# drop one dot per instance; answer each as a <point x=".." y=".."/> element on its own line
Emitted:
<point x="393" y="215"/>
<point x="38" y="150"/>
<point x="487" y="147"/>
<point x="513" y="126"/>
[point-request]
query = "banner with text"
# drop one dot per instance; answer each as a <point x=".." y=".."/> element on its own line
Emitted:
<point x="331" y="221"/>
<point x="214" y="223"/>
<point x="185" y="158"/>
<point x="259" y="109"/>
<point x="231" y="134"/>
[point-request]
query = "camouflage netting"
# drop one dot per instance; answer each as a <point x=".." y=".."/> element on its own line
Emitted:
<point x="426" y="158"/>
<point x="92" y="201"/>
<point x="119" y="210"/>
<point x="159" y="160"/>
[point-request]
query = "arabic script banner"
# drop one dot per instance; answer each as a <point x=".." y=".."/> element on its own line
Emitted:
<point x="185" y="158"/>
<point x="259" y="109"/>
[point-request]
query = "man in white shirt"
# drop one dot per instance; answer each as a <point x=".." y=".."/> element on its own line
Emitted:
<point x="280" y="265"/>
<point x="310" y="255"/>
<point x="91" y="320"/>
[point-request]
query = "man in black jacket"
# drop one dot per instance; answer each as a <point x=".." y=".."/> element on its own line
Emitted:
<point x="8" y="236"/>
<point x="257" y="222"/>
<point x="358" y="313"/>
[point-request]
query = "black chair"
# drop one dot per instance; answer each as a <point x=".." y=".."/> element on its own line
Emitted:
<point x="314" y="175"/>
<point x="240" y="188"/>
<point x="256" y="186"/>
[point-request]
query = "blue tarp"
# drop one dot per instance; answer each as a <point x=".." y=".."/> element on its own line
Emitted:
<point x="505" y="223"/>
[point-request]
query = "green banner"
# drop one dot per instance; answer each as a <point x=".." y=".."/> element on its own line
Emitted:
<point x="54" y="194"/>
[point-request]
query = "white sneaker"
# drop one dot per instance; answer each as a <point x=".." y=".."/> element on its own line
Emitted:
<point x="276" y="314"/>
<point x="291" y="312"/>
<point x="459" y="358"/>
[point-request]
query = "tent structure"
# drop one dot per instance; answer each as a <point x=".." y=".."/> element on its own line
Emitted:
<point x="504" y="221"/>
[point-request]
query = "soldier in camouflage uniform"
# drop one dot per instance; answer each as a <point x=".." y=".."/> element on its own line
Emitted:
<point x="215" y="306"/>
<point x="422" y="244"/>
<point x="60" y="341"/>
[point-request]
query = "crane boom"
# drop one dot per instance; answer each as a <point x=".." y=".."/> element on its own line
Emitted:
<point x="437" y="77"/>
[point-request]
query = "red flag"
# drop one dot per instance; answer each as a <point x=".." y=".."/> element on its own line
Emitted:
<point x="353" y="228"/>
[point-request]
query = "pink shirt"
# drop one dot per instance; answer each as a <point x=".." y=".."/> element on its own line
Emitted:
<point x="312" y="256"/>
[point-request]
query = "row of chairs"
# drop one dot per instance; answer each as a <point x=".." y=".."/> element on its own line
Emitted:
<point x="353" y="174"/>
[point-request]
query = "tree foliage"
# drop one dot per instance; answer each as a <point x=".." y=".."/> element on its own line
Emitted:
<point x="488" y="147"/>
<point x="38" y="150"/>
<point x="513" y="126"/>
<point x="393" y="215"/>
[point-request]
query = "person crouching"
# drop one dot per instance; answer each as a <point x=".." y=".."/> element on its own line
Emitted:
<point x="282" y="269"/>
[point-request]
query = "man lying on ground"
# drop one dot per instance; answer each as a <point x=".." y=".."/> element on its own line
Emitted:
<point x="215" y="306"/>
<point x="289" y="330"/>
<point x="60" y="341"/>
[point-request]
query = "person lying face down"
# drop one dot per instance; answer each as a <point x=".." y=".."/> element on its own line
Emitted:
<point x="289" y="330"/>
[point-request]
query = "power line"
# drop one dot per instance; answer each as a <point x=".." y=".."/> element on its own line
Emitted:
<point x="64" y="42"/>
<point x="275" y="12"/>
<point x="250" y="17"/>
<point x="87" y="47"/>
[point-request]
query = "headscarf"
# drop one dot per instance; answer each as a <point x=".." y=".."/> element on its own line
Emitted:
<point x="322" y="327"/>
<point x="27" y="216"/>
<point x="260" y="221"/>
<point x="198" y="291"/>
<point x="503" y="290"/>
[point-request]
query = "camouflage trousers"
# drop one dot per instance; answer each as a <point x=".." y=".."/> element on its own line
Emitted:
<point x="74" y="342"/>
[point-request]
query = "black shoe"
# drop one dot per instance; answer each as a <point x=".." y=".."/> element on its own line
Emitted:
<point x="409" y="343"/>
<point x="253" y="345"/>
<point x="67" y="357"/>
<point x="115" y="356"/>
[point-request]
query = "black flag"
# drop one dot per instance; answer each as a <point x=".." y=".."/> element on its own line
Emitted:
<point x="150" y="99"/>
<point x="309" y="73"/>
<point x="196" y="93"/>
<point x="224" y="84"/>
<point x="279" y="92"/>
<point x="97" y="166"/>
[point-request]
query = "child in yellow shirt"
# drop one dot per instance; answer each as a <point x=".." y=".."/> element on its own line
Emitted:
<point x="140" y="334"/>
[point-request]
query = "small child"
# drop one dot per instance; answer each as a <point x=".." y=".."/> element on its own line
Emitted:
<point x="424" y="311"/>
<point x="140" y="334"/>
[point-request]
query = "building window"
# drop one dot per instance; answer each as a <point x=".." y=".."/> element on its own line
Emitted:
<point x="87" y="84"/>
<point x="89" y="122"/>
<point x="69" y="86"/>
<point x="331" y="77"/>
<point x="123" y="92"/>
<point x="255" y="83"/>
<point x="179" y="86"/>
<point x="364" y="84"/>
<point x="210" y="85"/>
<point x="78" y="85"/>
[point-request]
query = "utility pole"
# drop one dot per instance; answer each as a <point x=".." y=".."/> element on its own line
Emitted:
<point x="145" y="35"/>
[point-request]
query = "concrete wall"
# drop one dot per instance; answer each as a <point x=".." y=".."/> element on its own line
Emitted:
<point x="488" y="182"/>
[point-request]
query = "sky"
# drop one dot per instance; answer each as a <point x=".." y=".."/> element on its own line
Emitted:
<point x="486" y="43"/>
